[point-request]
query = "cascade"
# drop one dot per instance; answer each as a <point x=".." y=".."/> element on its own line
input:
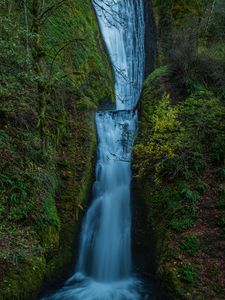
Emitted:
<point x="104" y="267"/>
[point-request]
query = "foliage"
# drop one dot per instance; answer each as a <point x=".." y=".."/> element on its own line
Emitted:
<point x="190" y="195"/>
<point x="221" y="199"/>
<point x="168" y="200"/>
<point x="191" y="42"/>
<point x="221" y="222"/>
<point x="191" y="245"/>
<point x="53" y="74"/>
<point x="188" y="273"/>
<point x="221" y="206"/>
<point x="201" y="186"/>
<point x="166" y="132"/>
<point x="185" y="220"/>
<point x="181" y="141"/>
<point x="220" y="174"/>
<point x="182" y="162"/>
<point x="181" y="137"/>
<point x="194" y="69"/>
<point x="65" y="65"/>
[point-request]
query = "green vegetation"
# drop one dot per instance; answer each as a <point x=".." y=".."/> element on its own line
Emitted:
<point x="179" y="156"/>
<point x="191" y="245"/>
<point x="221" y="198"/>
<point x="188" y="273"/>
<point x="54" y="73"/>
<point x="180" y="140"/>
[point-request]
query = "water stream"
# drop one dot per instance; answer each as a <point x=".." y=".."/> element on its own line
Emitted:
<point x="104" y="267"/>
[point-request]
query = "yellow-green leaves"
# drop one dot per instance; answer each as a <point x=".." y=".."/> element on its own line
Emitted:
<point x="176" y="140"/>
<point x="164" y="135"/>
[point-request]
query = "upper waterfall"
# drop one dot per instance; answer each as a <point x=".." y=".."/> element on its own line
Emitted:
<point x="123" y="28"/>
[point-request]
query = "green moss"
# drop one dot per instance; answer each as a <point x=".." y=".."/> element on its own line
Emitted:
<point x="171" y="281"/>
<point x="22" y="283"/>
<point x="45" y="183"/>
<point x="170" y="158"/>
<point x="84" y="61"/>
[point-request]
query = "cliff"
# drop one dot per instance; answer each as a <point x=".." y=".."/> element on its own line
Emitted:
<point x="178" y="159"/>
<point x="54" y="74"/>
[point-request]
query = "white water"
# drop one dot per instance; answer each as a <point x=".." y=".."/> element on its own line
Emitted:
<point x="104" y="268"/>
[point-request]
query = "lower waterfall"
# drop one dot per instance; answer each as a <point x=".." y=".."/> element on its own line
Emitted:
<point x="104" y="267"/>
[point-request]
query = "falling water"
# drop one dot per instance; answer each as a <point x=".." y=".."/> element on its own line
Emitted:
<point x="103" y="271"/>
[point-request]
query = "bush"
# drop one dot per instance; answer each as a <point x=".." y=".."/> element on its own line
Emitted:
<point x="221" y="199"/>
<point x="183" y="223"/>
<point x="191" y="245"/>
<point x="193" y="70"/>
<point x="190" y="195"/>
<point x="188" y="273"/>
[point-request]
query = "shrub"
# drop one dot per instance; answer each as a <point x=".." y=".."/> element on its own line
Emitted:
<point x="184" y="218"/>
<point x="190" y="195"/>
<point x="191" y="245"/>
<point x="181" y="224"/>
<point x="188" y="273"/>
<point x="220" y="174"/>
<point x="221" y="199"/>
<point x="193" y="70"/>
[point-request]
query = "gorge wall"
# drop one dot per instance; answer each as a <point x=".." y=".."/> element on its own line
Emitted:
<point x="178" y="159"/>
<point x="54" y="73"/>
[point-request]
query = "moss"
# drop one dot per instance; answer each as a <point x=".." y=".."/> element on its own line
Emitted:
<point x="57" y="243"/>
<point x="159" y="237"/>
<point x="72" y="201"/>
<point x="51" y="182"/>
<point x="83" y="52"/>
<point x="171" y="281"/>
<point x="21" y="282"/>
<point x="170" y="158"/>
<point x="49" y="238"/>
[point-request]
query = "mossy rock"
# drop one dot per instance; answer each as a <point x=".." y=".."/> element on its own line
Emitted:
<point x="53" y="181"/>
<point x="23" y="281"/>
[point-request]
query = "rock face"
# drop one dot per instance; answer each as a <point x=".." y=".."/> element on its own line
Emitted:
<point x="179" y="209"/>
<point x="48" y="125"/>
<point x="178" y="186"/>
<point x="141" y="245"/>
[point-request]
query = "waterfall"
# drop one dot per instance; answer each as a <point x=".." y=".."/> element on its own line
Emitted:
<point x="105" y="246"/>
<point x="104" y="268"/>
<point x="122" y="26"/>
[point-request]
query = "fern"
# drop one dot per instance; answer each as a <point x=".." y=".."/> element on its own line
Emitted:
<point x="190" y="195"/>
